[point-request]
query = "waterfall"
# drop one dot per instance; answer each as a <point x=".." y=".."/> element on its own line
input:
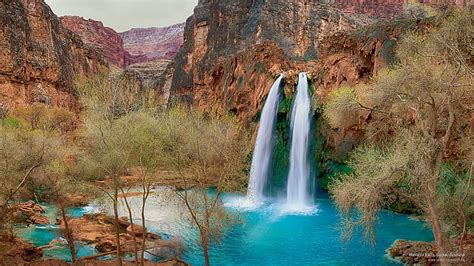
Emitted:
<point x="262" y="157"/>
<point x="298" y="188"/>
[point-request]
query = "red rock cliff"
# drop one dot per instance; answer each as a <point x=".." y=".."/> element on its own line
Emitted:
<point x="39" y="58"/>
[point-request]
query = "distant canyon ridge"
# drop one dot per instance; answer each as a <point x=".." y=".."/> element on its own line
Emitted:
<point x="137" y="45"/>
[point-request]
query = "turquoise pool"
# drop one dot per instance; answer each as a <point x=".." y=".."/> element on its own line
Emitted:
<point x="266" y="236"/>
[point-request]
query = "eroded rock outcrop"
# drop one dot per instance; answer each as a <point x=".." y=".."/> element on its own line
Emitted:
<point x="151" y="44"/>
<point x="155" y="75"/>
<point x="39" y="58"/>
<point x="424" y="253"/>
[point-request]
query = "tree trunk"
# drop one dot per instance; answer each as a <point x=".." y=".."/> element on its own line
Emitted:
<point x="117" y="224"/>
<point x="69" y="237"/>
<point x="440" y="239"/>
<point x="205" y="250"/>
<point x="144" y="199"/>
<point x="132" y="226"/>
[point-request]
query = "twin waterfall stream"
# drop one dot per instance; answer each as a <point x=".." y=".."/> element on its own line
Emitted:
<point x="298" y="193"/>
<point x="260" y="170"/>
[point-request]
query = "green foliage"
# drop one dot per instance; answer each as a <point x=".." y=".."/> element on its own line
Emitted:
<point x="114" y="97"/>
<point x="11" y="122"/>
<point x="333" y="170"/>
<point x="216" y="142"/>
<point x="206" y="149"/>
<point x="417" y="10"/>
<point x="281" y="154"/>
<point x="286" y="104"/>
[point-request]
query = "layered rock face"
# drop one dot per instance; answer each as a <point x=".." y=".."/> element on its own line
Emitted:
<point x="95" y="33"/>
<point x="152" y="44"/>
<point x="234" y="49"/>
<point x="39" y="58"/>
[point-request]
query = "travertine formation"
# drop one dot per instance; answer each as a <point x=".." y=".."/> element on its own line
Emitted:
<point x="39" y="58"/>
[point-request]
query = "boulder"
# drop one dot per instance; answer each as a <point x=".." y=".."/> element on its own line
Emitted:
<point x="99" y="229"/>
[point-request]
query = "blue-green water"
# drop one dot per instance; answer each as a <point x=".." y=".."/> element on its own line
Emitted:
<point x="41" y="235"/>
<point x="266" y="236"/>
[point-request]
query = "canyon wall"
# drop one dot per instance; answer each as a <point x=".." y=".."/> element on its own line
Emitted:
<point x="39" y="58"/>
<point x="233" y="50"/>
<point x="143" y="55"/>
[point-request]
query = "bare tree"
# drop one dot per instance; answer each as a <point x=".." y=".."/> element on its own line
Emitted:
<point x="110" y="134"/>
<point x="206" y="150"/>
<point x="26" y="149"/>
